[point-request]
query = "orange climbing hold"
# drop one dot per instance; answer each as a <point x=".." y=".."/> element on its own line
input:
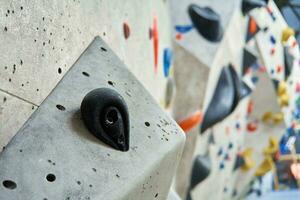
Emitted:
<point x="191" y="121"/>
<point x="250" y="107"/>
<point x="252" y="26"/>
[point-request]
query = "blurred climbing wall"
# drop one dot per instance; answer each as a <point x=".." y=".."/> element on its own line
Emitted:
<point x="40" y="41"/>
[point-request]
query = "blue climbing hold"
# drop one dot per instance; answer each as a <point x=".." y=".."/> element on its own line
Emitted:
<point x="272" y="39"/>
<point x="222" y="166"/>
<point x="254" y="79"/>
<point x="167" y="61"/>
<point x="220" y="151"/>
<point x="230" y="145"/>
<point x="183" y="28"/>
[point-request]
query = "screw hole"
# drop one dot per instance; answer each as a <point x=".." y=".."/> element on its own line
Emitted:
<point x="60" y="107"/>
<point x="50" y="177"/>
<point x="111" y="117"/>
<point x="86" y="74"/>
<point x="59" y="70"/>
<point x="9" y="184"/>
<point x="147" y="124"/>
<point x="103" y="49"/>
<point x="110" y="83"/>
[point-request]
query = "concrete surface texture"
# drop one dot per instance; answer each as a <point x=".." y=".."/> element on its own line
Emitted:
<point x="57" y="154"/>
<point x="42" y="39"/>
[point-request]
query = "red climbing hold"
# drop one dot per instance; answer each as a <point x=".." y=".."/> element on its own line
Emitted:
<point x="178" y="36"/>
<point x="279" y="69"/>
<point x="272" y="51"/>
<point x="155" y="43"/>
<point x="250" y="107"/>
<point x="298" y="87"/>
<point x="252" y="126"/>
<point x="126" y="30"/>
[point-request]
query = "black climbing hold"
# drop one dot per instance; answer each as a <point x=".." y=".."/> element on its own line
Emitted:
<point x="201" y="170"/>
<point x="248" y="5"/>
<point x="239" y="161"/>
<point x="248" y="59"/>
<point x="245" y="90"/>
<point x="229" y="91"/>
<point x="223" y="100"/>
<point x="288" y="62"/>
<point x="207" y="22"/>
<point x="275" y="83"/>
<point x="105" y="114"/>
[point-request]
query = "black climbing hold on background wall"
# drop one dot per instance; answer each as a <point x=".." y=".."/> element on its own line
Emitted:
<point x="248" y="59"/>
<point x="207" y="22"/>
<point x="288" y="62"/>
<point x="105" y="114"/>
<point x="248" y="5"/>
<point x="239" y="161"/>
<point x="200" y="170"/>
<point x="222" y="102"/>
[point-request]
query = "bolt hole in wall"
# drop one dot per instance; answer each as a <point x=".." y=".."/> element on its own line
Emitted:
<point x="9" y="184"/>
<point x="50" y="177"/>
<point x="110" y="83"/>
<point x="85" y="74"/>
<point x="60" y="107"/>
<point x="147" y="124"/>
<point x="103" y="49"/>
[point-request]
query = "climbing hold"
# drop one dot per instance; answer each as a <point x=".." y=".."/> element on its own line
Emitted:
<point x="201" y="170"/>
<point x="167" y="61"/>
<point x="222" y="102"/>
<point x="221" y="166"/>
<point x="230" y="145"/>
<point x="265" y="166"/>
<point x="288" y="62"/>
<point x="284" y="100"/>
<point x="252" y="126"/>
<point x="170" y="91"/>
<point x="248" y="5"/>
<point x="272" y="51"/>
<point x="253" y="28"/>
<point x="126" y="30"/>
<point x="267" y="116"/>
<point x="191" y="121"/>
<point x="250" y="107"/>
<point x="272" y="39"/>
<point x="277" y="118"/>
<point x="249" y="58"/>
<point x="220" y="151"/>
<point x="248" y="160"/>
<point x="286" y="34"/>
<point x="183" y="28"/>
<point x="239" y="162"/>
<point x="272" y="147"/>
<point x="155" y="42"/>
<point x="207" y="22"/>
<point x="105" y="114"/>
<point x="282" y="88"/>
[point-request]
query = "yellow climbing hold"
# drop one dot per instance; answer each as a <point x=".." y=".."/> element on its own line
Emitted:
<point x="284" y="100"/>
<point x="249" y="162"/>
<point x="273" y="147"/>
<point x="282" y="88"/>
<point x="267" y="116"/>
<point x="265" y="166"/>
<point x="277" y="118"/>
<point x="286" y="33"/>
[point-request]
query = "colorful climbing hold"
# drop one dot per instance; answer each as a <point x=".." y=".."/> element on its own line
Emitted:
<point x="252" y="126"/>
<point x="267" y="116"/>
<point x="272" y="39"/>
<point x="286" y="33"/>
<point x="250" y="107"/>
<point x="126" y="30"/>
<point x="167" y="57"/>
<point x="191" y="121"/>
<point x="155" y="38"/>
<point x="183" y="28"/>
